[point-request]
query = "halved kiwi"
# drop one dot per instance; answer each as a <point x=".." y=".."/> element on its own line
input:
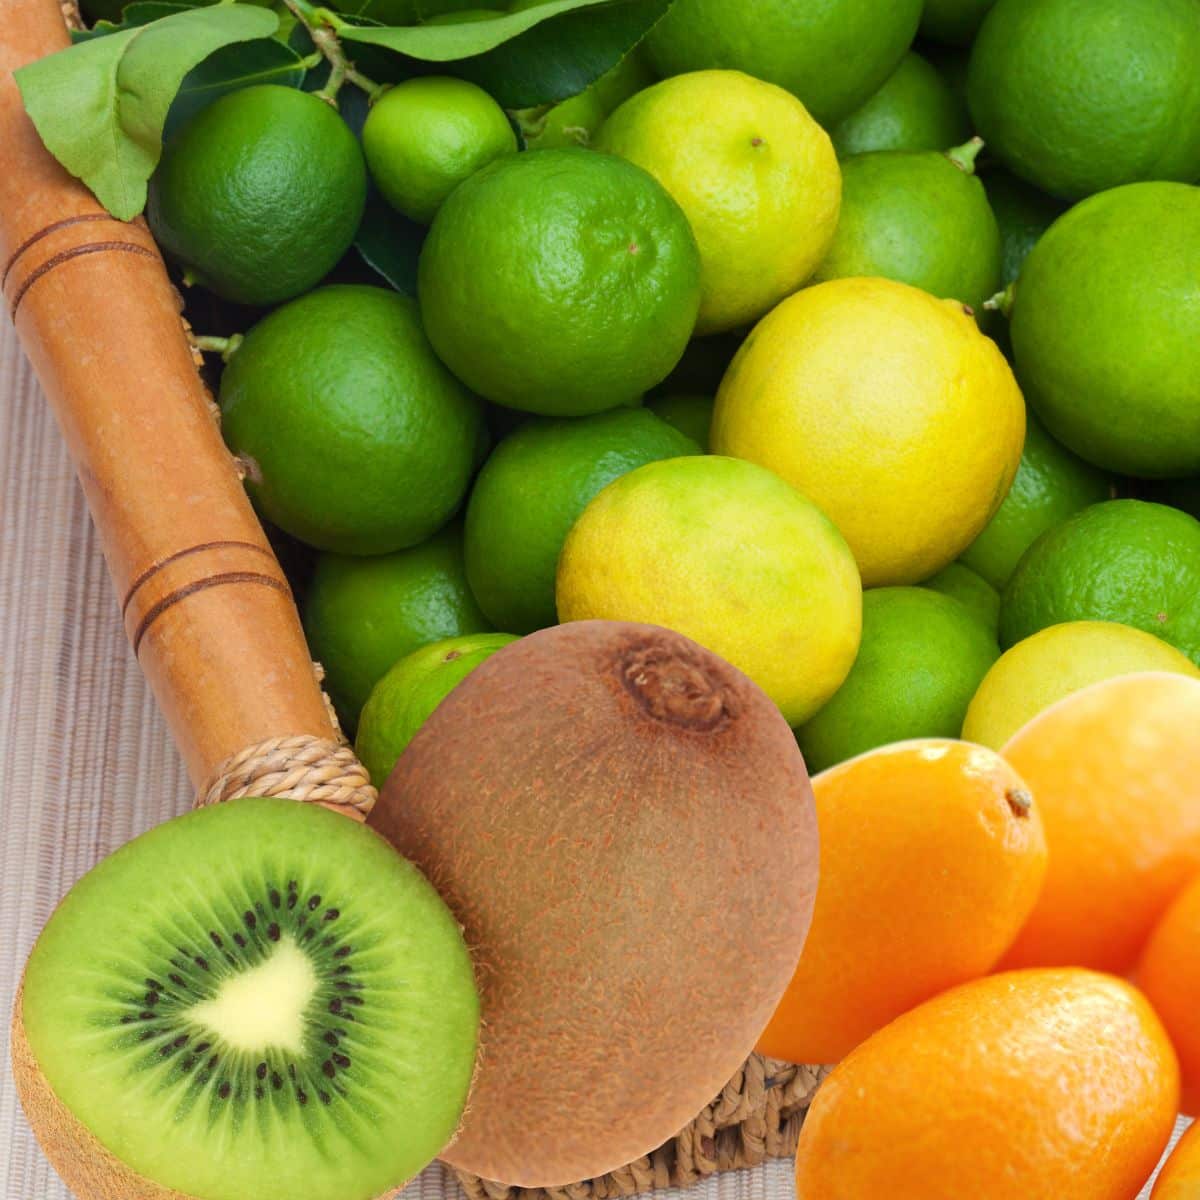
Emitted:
<point x="260" y="999"/>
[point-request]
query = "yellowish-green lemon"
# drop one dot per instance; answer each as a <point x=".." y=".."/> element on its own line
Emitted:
<point x="756" y="175"/>
<point x="1055" y="662"/>
<point x="888" y="409"/>
<point x="731" y="556"/>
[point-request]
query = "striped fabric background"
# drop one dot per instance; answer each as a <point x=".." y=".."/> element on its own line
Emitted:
<point x="85" y="761"/>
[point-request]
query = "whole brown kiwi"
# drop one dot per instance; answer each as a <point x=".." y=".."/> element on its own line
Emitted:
<point x="624" y="825"/>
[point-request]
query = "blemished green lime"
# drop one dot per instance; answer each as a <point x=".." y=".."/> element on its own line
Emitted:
<point x="572" y="123"/>
<point x="954" y="22"/>
<point x="1039" y="671"/>
<point x="972" y="591"/>
<point x="1078" y="96"/>
<point x="259" y="194"/>
<point x="916" y="109"/>
<point x="756" y="176"/>
<point x="404" y="699"/>
<point x="566" y="325"/>
<point x="691" y="415"/>
<point x="529" y="494"/>
<point x="920" y="218"/>
<point x="353" y="436"/>
<point x="1023" y="215"/>
<point x="1051" y="485"/>
<point x="832" y="54"/>
<point x="361" y="615"/>
<point x="1127" y="561"/>
<point x="424" y="136"/>
<point x="1105" y="328"/>
<point x="922" y="657"/>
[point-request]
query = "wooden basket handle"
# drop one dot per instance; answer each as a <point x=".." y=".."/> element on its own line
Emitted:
<point x="207" y="608"/>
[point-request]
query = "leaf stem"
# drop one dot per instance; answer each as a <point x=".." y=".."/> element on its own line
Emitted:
<point x="226" y="347"/>
<point x="322" y="26"/>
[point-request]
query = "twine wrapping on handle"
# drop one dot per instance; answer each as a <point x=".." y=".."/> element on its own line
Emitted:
<point x="756" y="1117"/>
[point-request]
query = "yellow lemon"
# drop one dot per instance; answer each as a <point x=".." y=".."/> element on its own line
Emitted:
<point x="757" y="177"/>
<point x="888" y="409"/>
<point x="730" y="555"/>
<point x="1062" y="659"/>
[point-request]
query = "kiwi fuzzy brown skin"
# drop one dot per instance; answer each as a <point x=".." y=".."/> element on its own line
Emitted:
<point x="624" y="826"/>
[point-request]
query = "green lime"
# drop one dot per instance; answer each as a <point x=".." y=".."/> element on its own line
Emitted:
<point x="953" y="22"/>
<point x="259" y="194"/>
<point x="1106" y="329"/>
<point x="691" y="415"/>
<point x="362" y="615"/>
<point x="972" y="591"/>
<point x="404" y="699"/>
<point x="1077" y="96"/>
<point x="1124" y="560"/>
<point x="568" y="324"/>
<point x="571" y="123"/>
<point x="920" y="218"/>
<point x="354" y="438"/>
<point x="916" y="109"/>
<point x="426" y="135"/>
<point x="921" y="659"/>
<point x="1050" y="486"/>
<point x="832" y="54"/>
<point x="529" y="494"/>
<point x="1023" y="215"/>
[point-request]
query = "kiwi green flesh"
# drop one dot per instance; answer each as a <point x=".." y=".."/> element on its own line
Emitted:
<point x="257" y="999"/>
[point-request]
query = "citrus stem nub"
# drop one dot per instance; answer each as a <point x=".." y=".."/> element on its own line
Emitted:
<point x="1002" y="302"/>
<point x="964" y="156"/>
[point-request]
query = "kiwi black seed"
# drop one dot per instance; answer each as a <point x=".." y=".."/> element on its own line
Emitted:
<point x="181" y="1012"/>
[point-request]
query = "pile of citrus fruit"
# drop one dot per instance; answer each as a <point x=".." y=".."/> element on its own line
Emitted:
<point x="859" y="343"/>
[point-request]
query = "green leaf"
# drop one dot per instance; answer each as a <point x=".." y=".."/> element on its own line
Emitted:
<point x="557" y="60"/>
<point x="464" y="39"/>
<point x="537" y="56"/>
<point x="242" y="64"/>
<point x="390" y="244"/>
<point x="141" y="12"/>
<point x="100" y="106"/>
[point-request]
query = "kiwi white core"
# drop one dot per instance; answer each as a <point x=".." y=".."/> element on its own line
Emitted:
<point x="263" y="1008"/>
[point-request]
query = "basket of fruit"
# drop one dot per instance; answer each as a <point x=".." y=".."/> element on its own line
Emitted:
<point x="606" y="413"/>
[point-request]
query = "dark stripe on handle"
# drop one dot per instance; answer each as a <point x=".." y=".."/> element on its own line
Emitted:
<point x="53" y="227"/>
<point x="66" y="255"/>
<point x="156" y="610"/>
<point x="154" y="568"/>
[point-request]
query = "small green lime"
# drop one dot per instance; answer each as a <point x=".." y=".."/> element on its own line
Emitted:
<point x="832" y="54"/>
<point x="259" y="194"/>
<point x="404" y="699"/>
<point x="691" y="415"/>
<point x="529" y="494"/>
<point x="1078" y="96"/>
<point x="1124" y="560"/>
<point x="1105" y="328"/>
<point x="1023" y="215"/>
<point x="921" y="659"/>
<point x="568" y="324"/>
<point x="919" y="218"/>
<point x="1050" y="486"/>
<point x="954" y="22"/>
<point x="426" y="135"/>
<point x="362" y="615"/>
<point x="916" y="109"/>
<point x="972" y="591"/>
<point x="353" y="436"/>
<point x="571" y="123"/>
